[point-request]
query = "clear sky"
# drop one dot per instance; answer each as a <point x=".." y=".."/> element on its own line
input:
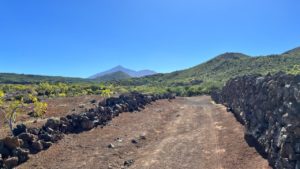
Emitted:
<point x="82" y="37"/>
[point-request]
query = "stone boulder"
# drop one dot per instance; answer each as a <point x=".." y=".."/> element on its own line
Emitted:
<point x="37" y="146"/>
<point x="26" y="137"/>
<point x="20" y="128"/>
<point x="4" y="151"/>
<point x="53" y="123"/>
<point x="87" y="124"/>
<point x="11" y="162"/>
<point x="1" y="160"/>
<point x="11" y="142"/>
<point x="46" y="145"/>
<point x="22" y="154"/>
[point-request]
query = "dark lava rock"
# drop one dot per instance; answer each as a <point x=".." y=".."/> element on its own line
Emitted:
<point x="128" y="163"/>
<point x="4" y="150"/>
<point x="26" y="137"/>
<point x="46" y="145"/>
<point x="1" y="161"/>
<point x="11" y="142"/>
<point x="111" y="146"/>
<point x="87" y="124"/>
<point x="269" y="107"/>
<point x="37" y="146"/>
<point x="20" y="128"/>
<point x="22" y="154"/>
<point x="53" y="123"/>
<point x="134" y="141"/>
<point x="34" y="131"/>
<point x="46" y="137"/>
<point x="11" y="162"/>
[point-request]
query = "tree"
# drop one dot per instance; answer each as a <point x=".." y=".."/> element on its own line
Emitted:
<point x="12" y="109"/>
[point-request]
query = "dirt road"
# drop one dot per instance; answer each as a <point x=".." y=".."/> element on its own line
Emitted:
<point x="186" y="133"/>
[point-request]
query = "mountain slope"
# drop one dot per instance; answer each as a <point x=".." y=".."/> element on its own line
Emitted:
<point x="294" y="51"/>
<point x="113" y="76"/>
<point x="129" y="72"/>
<point x="215" y="72"/>
<point x="14" y="78"/>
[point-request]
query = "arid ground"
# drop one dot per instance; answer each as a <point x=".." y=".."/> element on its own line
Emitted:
<point x="57" y="107"/>
<point x="185" y="133"/>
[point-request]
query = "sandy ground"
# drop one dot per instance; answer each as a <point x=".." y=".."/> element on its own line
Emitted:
<point x="186" y="133"/>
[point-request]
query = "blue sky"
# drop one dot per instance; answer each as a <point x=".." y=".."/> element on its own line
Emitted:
<point x="79" y="38"/>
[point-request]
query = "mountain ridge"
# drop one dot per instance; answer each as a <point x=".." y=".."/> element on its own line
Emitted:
<point x="215" y="72"/>
<point x="119" y="68"/>
<point x="293" y="51"/>
<point x="113" y="76"/>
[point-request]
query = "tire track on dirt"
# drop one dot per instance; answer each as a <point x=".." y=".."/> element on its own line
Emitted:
<point x="215" y="138"/>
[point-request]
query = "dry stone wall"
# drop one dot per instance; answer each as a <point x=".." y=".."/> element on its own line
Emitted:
<point x="269" y="107"/>
<point x="15" y="149"/>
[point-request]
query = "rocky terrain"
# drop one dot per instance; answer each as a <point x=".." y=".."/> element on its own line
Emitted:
<point x="15" y="150"/>
<point x="184" y="133"/>
<point x="269" y="107"/>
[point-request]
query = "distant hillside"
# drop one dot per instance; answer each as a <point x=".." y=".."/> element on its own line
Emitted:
<point x="211" y="74"/>
<point x="113" y="76"/>
<point x="12" y="78"/>
<point x="131" y="73"/>
<point x="215" y="72"/>
<point x="293" y="51"/>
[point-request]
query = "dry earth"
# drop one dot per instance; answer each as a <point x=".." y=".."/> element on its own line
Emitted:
<point x="57" y="107"/>
<point x="185" y="133"/>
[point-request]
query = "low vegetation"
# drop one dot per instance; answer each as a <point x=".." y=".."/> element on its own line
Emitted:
<point x="17" y="99"/>
<point x="12" y="78"/>
<point x="48" y="90"/>
<point x="201" y="79"/>
<point x="12" y="108"/>
<point x="214" y="73"/>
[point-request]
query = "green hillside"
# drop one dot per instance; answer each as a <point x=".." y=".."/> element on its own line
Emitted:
<point x="12" y="78"/>
<point x="196" y="80"/>
<point x="222" y="68"/>
<point x="215" y="72"/>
